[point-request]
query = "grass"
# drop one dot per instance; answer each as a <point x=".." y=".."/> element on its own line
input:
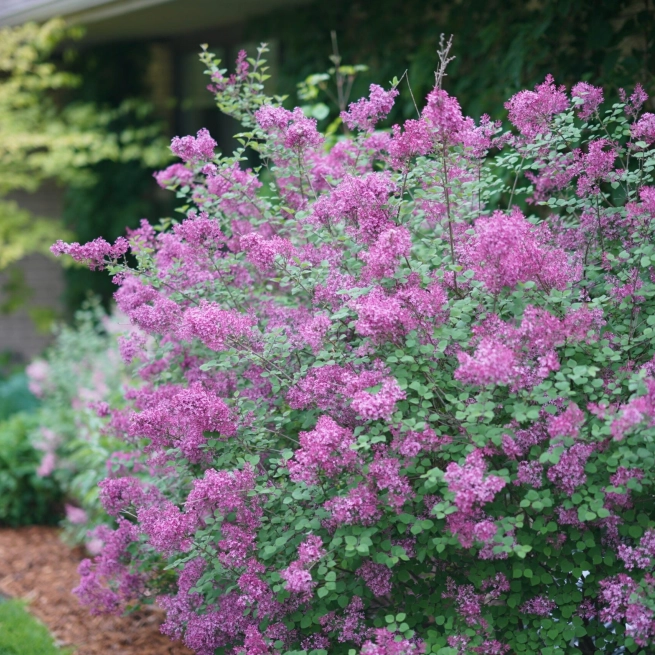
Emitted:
<point x="22" y="634"/>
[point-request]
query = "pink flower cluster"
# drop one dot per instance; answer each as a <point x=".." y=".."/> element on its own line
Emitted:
<point x="113" y="564"/>
<point x="193" y="150"/>
<point x="532" y="111"/>
<point x="625" y="602"/>
<point x="380" y="404"/>
<point x="588" y="97"/>
<point x="523" y="356"/>
<point x="569" y="472"/>
<point x="640" y="556"/>
<point x="641" y="408"/>
<point x="182" y="417"/>
<point x="384" y="471"/>
<point x="538" y="605"/>
<point x="295" y="130"/>
<point x="386" y="643"/>
<point x="175" y="173"/>
<point x="217" y="328"/>
<point x="364" y="114"/>
<point x="376" y="576"/>
<point x="388" y="317"/>
<point x="327" y="449"/>
<point x="567" y="423"/>
<point x="359" y="506"/>
<point x="95" y="254"/>
<point x="333" y="388"/>
<point x="472" y="490"/>
<point x="444" y="115"/>
<point x="597" y="167"/>
<point x="506" y="250"/>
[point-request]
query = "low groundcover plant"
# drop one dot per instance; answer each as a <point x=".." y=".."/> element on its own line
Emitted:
<point x="401" y="395"/>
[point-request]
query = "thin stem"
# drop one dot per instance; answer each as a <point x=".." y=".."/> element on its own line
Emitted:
<point x="411" y="93"/>
<point x="600" y="229"/>
<point x="227" y="288"/>
<point x="302" y="189"/>
<point x="451" y="237"/>
<point x="516" y="179"/>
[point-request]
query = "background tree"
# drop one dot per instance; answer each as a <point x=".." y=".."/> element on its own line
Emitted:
<point x="46" y="136"/>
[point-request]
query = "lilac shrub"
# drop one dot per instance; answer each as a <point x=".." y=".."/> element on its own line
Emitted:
<point x="401" y="392"/>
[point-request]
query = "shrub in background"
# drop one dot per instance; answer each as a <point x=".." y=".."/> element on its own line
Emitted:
<point x="26" y="498"/>
<point x="394" y="404"/>
<point x="55" y="447"/>
<point x="15" y="395"/>
<point x="78" y="376"/>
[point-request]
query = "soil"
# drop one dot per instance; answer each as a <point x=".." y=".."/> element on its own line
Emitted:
<point x="37" y="566"/>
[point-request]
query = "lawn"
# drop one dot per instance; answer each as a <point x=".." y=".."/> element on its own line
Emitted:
<point x="22" y="634"/>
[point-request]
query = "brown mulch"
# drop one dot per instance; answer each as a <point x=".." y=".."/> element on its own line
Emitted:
<point x="35" y="565"/>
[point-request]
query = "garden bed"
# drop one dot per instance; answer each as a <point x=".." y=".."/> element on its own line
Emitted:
<point x="36" y="566"/>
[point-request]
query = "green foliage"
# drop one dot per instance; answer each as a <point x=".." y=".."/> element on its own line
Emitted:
<point x="500" y="46"/>
<point x="25" y="497"/>
<point x="15" y="396"/>
<point x="47" y="132"/>
<point x="40" y="139"/>
<point x="22" y="634"/>
<point x="60" y="433"/>
<point x="21" y="233"/>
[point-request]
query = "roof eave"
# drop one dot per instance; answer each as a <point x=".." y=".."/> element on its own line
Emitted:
<point x="79" y="11"/>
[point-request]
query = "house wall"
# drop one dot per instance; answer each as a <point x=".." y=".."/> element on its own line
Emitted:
<point x="42" y="277"/>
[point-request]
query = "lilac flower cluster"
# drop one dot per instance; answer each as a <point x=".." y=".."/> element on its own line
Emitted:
<point x="193" y="150"/>
<point x="95" y="254"/>
<point x="506" y="250"/>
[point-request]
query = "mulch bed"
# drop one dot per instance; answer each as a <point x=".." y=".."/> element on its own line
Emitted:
<point x="37" y="567"/>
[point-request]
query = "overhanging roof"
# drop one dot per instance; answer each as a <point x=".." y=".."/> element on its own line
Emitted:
<point x="15" y="12"/>
<point x="109" y="20"/>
